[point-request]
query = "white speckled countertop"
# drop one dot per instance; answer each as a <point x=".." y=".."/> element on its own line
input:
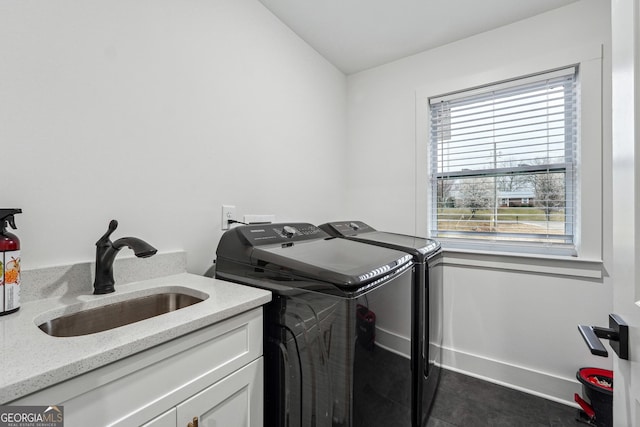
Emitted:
<point x="33" y="360"/>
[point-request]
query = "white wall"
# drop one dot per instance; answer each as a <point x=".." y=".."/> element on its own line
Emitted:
<point x="155" y="113"/>
<point x="512" y="325"/>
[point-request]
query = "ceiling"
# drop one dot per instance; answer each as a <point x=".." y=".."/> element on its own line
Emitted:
<point x="356" y="35"/>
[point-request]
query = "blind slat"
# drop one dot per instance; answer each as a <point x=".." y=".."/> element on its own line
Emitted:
<point x="479" y="107"/>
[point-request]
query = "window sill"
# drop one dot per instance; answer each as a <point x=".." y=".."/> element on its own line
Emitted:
<point x="528" y="263"/>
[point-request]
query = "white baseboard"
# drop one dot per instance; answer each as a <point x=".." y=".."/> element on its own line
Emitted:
<point x="537" y="383"/>
<point x="547" y="386"/>
<point x="393" y="342"/>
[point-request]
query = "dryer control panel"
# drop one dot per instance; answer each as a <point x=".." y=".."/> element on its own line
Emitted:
<point x="346" y="228"/>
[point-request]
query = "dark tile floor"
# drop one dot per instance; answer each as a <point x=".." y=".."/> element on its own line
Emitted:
<point x="464" y="401"/>
<point x="382" y="378"/>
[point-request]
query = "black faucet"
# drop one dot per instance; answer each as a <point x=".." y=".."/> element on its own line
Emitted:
<point x="106" y="252"/>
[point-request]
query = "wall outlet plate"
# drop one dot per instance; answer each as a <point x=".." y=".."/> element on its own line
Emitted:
<point x="228" y="213"/>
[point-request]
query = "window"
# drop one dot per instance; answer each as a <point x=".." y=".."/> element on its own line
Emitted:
<point x="503" y="163"/>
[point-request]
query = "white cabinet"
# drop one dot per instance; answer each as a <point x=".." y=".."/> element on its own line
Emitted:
<point x="235" y="401"/>
<point x="214" y="373"/>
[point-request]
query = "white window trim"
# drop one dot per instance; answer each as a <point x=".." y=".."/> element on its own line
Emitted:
<point x="589" y="221"/>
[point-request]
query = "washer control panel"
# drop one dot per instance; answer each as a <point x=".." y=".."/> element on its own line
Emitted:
<point x="267" y="234"/>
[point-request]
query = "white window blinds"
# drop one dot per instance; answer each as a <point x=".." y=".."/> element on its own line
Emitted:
<point x="503" y="162"/>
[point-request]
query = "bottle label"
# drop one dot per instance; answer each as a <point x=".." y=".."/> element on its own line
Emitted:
<point x="10" y="279"/>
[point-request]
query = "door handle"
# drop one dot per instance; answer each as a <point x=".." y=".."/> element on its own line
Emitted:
<point x="617" y="333"/>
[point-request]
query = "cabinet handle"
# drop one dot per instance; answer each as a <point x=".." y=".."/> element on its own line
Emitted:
<point x="195" y="421"/>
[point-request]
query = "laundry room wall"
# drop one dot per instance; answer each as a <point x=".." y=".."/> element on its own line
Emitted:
<point x="155" y="113"/>
<point x="509" y="319"/>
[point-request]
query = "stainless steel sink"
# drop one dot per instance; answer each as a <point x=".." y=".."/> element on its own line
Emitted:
<point x="118" y="314"/>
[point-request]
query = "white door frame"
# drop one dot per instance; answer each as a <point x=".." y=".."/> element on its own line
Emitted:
<point x="626" y="204"/>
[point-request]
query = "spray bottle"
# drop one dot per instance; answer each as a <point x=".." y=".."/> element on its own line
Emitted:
<point x="9" y="263"/>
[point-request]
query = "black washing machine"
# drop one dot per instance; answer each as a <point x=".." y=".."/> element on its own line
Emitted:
<point x="426" y="352"/>
<point x="323" y="367"/>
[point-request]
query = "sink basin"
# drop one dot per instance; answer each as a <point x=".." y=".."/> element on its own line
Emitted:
<point x="118" y="314"/>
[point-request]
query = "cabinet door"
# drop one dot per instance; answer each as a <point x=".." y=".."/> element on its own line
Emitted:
<point x="234" y="401"/>
<point x="168" y="419"/>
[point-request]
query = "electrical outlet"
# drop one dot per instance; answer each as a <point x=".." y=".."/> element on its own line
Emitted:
<point x="228" y="212"/>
